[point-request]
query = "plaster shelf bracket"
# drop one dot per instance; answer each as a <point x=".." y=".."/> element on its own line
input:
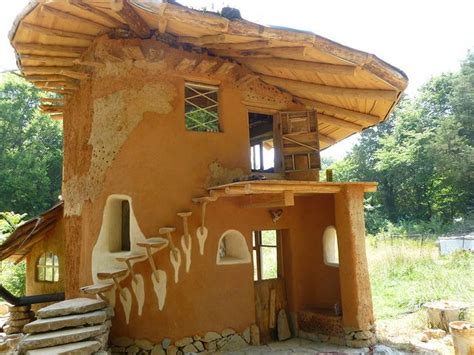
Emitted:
<point x="114" y="275"/>
<point x="186" y="241"/>
<point x="128" y="262"/>
<point x="175" y="255"/>
<point x="150" y="244"/>
<point x="202" y="231"/>
<point x="98" y="289"/>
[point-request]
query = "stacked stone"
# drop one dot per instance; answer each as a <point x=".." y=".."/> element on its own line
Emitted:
<point x="357" y="338"/>
<point x="79" y="325"/>
<point x="227" y="340"/>
<point x="18" y="316"/>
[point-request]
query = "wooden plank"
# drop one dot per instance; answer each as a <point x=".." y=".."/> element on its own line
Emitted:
<point x="225" y="68"/>
<point x="326" y="139"/>
<point x="334" y="121"/>
<point x="258" y="44"/>
<point x="206" y="66"/>
<point x="48" y="60"/>
<point x="336" y="110"/>
<point x="66" y="71"/>
<point x="246" y="79"/>
<point x="186" y="64"/>
<point x="272" y="309"/>
<point x="68" y="50"/>
<point x="133" y="20"/>
<point x="300" y="65"/>
<point x="53" y="12"/>
<point x="56" y="33"/>
<point x="351" y="93"/>
<point x="82" y="5"/>
<point x="269" y="200"/>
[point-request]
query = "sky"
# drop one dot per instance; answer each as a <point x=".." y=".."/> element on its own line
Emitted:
<point x="424" y="38"/>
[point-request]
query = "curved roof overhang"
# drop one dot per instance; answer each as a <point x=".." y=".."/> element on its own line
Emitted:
<point x="350" y="89"/>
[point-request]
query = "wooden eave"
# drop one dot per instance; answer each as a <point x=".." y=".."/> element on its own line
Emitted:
<point x="19" y="243"/>
<point x="351" y="89"/>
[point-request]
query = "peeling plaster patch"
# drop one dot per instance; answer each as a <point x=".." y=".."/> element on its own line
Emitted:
<point x="220" y="175"/>
<point x="138" y="287"/>
<point x="115" y="116"/>
<point x="160" y="287"/>
<point x="186" y="244"/>
<point x="126" y="300"/>
<point x="175" y="258"/>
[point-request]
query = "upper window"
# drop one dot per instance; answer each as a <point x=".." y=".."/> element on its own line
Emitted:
<point x="330" y="247"/>
<point x="47" y="268"/>
<point x="201" y="107"/>
<point x="266" y="255"/>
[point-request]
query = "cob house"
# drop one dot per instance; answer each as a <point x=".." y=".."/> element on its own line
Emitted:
<point x="192" y="200"/>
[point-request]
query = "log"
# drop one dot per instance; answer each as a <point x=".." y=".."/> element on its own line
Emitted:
<point x="186" y="64"/>
<point x="49" y="60"/>
<point x="322" y="107"/>
<point x="194" y="18"/>
<point x="82" y="5"/>
<point x="259" y="44"/>
<point x="69" y="50"/>
<point x="296" y="52"/>
<point x="334" y="121"/>
<point x="57" y="33"/>
<point x="225" y="68"/>
<point x="70" y="17"/>
<point x="291" y="64"/>
<point x="66" y="71"/>
<point x="133" y="20"/>
<point x="246" y="79"/>
<point x="206" y="66"/>
<point x="50" y="77"/>
<point x="326" y="139"/>
<point x="350" y="93"/>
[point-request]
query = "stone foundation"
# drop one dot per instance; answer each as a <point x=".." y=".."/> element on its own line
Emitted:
<point x="357" y="338"/>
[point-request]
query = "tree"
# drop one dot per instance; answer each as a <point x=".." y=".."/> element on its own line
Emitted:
<point x="30" y="150"/>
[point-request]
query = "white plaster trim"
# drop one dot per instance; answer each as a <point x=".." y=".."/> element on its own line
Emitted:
<point x="186" y="244"/>
<point x="126" y="300"/>
<point x="175" y="258"/>
<point x="138" y="287"/>
<point x="160" y="287"/>
<point x="236" y="249"/>
<point x="201" y="234"/>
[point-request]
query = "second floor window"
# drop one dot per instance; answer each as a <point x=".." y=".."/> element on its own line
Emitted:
<point x="201" y="107"/>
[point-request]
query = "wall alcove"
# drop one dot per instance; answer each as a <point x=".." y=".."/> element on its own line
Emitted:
<point x="330" y="247"/>
<point x="232" y="249"/>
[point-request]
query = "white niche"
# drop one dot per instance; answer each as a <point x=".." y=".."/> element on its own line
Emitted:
<point x="232" y="249"/>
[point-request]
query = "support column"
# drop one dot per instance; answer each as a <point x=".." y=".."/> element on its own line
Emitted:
<point x="356" y="295"/>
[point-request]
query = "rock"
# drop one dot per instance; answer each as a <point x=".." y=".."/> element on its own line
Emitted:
<point x="363" y="335"/>
<point x="435" y="333"/>
<point x="144" y="344"/>
<point x="8" y="329"/>
<point x="283" y="326"/>
<point x="133" y="349"/>
<point x="254" y="335"/>
<point x="211" y="346"/>
<point x="197" y="337"/>
<point x="21" y="315"/>
<point x="246" y="335"/>
<point x="110" y="312"/>
<point x="199" y="345"/>
<point x="75" y="320"/>
<point x="423" y="338"/>
<point x="183" y="342"/>
<point x="172" y="350"/>
<point x="13" y="341"/>
<point x="4" y="347"/>
<point x="72" y="306"/>
<point x="83" y="347"/>
<point x="189" y="349"/>
<point x="122" y="342"/>
<point x="19" y="308"/>
<point x="358" y="343"/>
<point x="117" y="349"/>
<point x="228" y="331"/>
<point x="158" y="350"/>
<point x="103" y="339"/>
<point x="60" y="337"/>
<point x="211" y="336"/>
<point x="235" y="343"/>
<point x="222" y="342"/>
<point x="18" y="323"/>
<point x="165" y="343"/>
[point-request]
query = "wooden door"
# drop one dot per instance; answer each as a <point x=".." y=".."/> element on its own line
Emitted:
<point x="297" y="138"/>
<point x="270" y="294"/>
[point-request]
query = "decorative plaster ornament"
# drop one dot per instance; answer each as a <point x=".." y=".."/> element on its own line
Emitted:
<point x="126" y="300"/>
<point x="201" y="234"/>
<point x="138" y="287"/>
<point x="175" y="258"/>
<point x="159" y="279"/>
<point x="186" y="240"/>
<point x="276" y="214"/>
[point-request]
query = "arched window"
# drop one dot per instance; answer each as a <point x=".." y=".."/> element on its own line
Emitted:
<point x="330" y="249"/>
<point x="47" y="267"/>
<point x="232" y="249"/>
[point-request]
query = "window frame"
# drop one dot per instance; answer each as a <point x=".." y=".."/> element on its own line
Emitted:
<point x="53" y="266"/>
<point x="212" y="88"/>
<point x="257" y="247"/>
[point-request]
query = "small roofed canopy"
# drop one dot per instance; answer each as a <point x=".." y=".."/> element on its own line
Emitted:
<point x="18" y="244"/>
<point x="350" y="90"/>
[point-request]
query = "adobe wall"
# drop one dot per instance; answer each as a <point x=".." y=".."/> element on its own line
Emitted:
<point x="52" y="242"/>
<point x="125" y="134"/>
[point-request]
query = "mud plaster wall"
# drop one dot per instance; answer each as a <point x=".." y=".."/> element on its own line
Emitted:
<point x="53" y="242"/>
<point x="125" y="134"/>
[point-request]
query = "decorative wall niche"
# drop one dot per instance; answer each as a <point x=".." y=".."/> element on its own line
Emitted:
<point x="232" y="249"/>
<point x="330" y="247"/>
<point x="117" y="223"/>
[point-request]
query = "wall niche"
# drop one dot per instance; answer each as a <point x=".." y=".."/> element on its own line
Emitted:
<point x="232" y="249"/>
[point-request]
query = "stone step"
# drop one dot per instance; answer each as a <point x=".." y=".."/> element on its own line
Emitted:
<point x="72" y="306"/>
<point x="130" y="257"/>
<point x="110" y="274"/>
<point x="83" y="347"/>
<point x="96" y="288"/>
<point x="156" y="242"/>
<point x="60" y="337"/>
<point x="74" y="320"/>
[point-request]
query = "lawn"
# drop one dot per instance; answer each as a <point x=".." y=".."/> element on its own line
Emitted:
<point x="405" y="274"/>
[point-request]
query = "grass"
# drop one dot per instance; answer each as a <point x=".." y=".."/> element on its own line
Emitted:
<point x="405" y="274"/>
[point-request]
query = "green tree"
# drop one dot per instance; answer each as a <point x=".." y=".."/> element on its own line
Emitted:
<point x="30" y="150"/>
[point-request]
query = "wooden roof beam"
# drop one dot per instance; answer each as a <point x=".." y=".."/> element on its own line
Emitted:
<point x="82" y="5"/>
<point x="350" y="93"/>
<point x="57" y="33"/>
<point x="332" y="110"/>
<point x="132" y="18"/>
<point x="70" y="51"/>
<point x="49" y="60"/>
<point x="291" y="64"/>
<point x="70" y="17"/>
<point x="66" y="71"/>
<point x="340" y="123"/>
<point x="258" y="44"/>
<point x="326" y="139"/>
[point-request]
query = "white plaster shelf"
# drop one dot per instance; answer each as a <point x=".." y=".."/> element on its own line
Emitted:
<point x="112" y="274"/>
<point x="155" y="242"/>
<point x="96" y="288"/>
<point x="130" y="257"/>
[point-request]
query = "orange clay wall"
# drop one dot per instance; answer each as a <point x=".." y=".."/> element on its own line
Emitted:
<point x="52" y="242"/>
<point x="162" y="166"/>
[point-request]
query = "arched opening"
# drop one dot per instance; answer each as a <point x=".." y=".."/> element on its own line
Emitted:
<point x="330" y="247"/>
<point x="47" y="268"/>
<point x="232" y="249"/>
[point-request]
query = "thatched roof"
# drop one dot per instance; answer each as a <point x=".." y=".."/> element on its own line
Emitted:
<point x="350" y="89"/>
<point x="19" y="243"/>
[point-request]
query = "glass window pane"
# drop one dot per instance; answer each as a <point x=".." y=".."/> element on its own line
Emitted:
<point x="269" y="237"/>
<point x="255" y="271"/>
<point x="254" y="241"/>
<point x="49" y="259"/>
<point x="48" y="274"/>
<point x="40" y="272"/>
<point x="42" y="259"/>
<point x="56" y="274"/>
<point x="269" y="262"/>
<point x="55" y="260"/>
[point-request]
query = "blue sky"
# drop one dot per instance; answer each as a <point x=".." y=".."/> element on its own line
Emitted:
<point x="422" y="37"/>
